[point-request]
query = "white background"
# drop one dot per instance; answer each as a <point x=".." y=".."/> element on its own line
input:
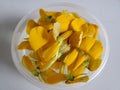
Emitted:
<point x="11" y="11"/>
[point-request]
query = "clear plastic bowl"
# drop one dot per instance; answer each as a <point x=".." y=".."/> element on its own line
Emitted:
<point x="19" y="33"/>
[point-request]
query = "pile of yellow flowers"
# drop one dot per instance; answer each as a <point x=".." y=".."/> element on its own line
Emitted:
<point x="62" y="45"/>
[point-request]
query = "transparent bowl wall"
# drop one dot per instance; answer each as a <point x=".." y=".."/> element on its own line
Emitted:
<point x="19" y="34"/>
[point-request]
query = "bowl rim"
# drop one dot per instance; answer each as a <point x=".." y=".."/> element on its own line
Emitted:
<point x="107" y="49"/>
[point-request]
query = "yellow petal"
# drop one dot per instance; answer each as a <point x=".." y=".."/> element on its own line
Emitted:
<point x="50" y="62"/>
<point x="56" y="65"/>
<point x="80" y="59"/>
<point x="64" y="20"/>
<point x="49" y="13"/>
<point x="42" y="12"/>
<point x="77" y="23"/>
<point x="24" y="45"/>
<point x="27" y="63"/>
<point x="31" y="24"/>
<point x="46" y="25"/>
<point x="50" y="51"/>
<point x="85" y="28"/>
<point x="70" y="58"/>
<point x="34" y="55"/>
<point x="38" y="37"/>
<point x="75" y="15"/>
<point x="51" y="77"/>
<point x="79" y="70"/>
<point x="45" y="21"/>
<point x="89" y="30"/>
<point x="66" y="34"/>
<point x="76" y="39"/>
<point x="40" y="63"/>
<point x="87" y="43"/>
<point x="62" y="68"/>
<point x="81" y="79"/>
<point x="96" y="31"/>
<point x="96" y="49"/>
<point x="70" y="68"/>
<point x="56" y="78"/>
<point x="94" y="64"/>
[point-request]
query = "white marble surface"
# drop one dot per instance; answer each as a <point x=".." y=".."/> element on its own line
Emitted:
<point x="11" y="11"/>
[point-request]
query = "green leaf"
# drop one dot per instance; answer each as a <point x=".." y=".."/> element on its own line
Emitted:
<point x="59" y="54"/>
<point x="35" y="73"/>
<point x="86" y="62"/>
<point x="48" y="17"/>
<point x="70" y="77"/>
<point x="59" y="39"/>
